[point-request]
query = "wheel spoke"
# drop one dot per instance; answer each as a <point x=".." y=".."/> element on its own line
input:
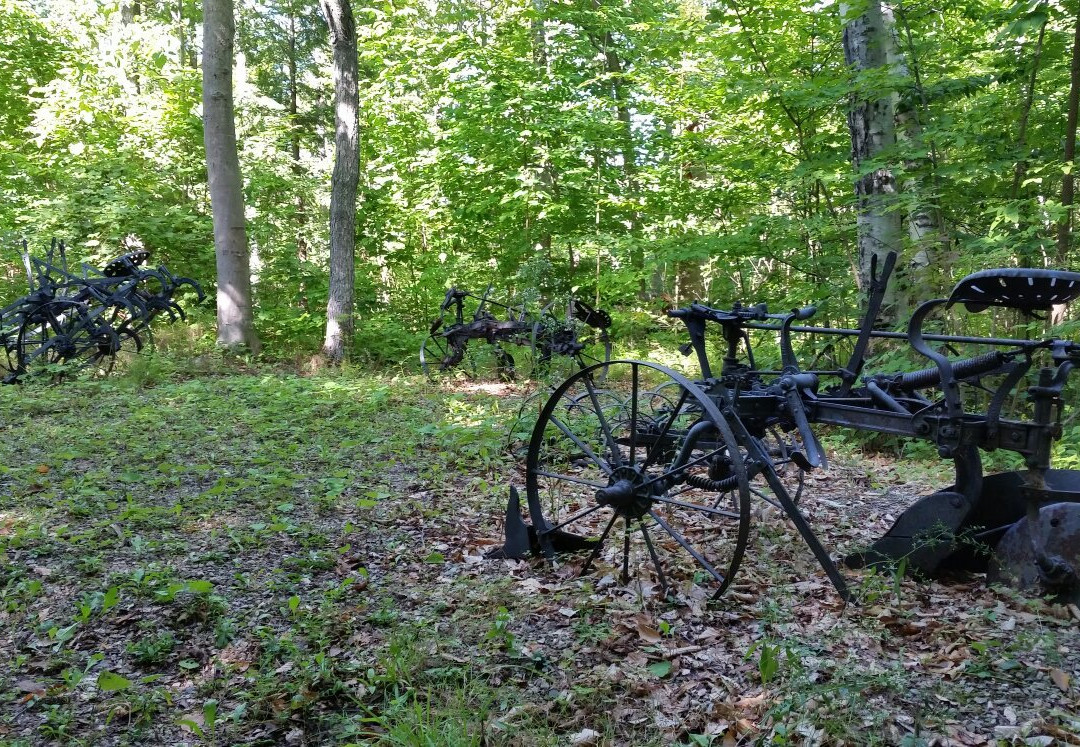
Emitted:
<point x="655" y="450"/>
<point x="596" y="550"/>
<point x="571" y="478"/>
<point x="697" y="507"/>
<point x="687" y="546"/>
<point x="581" y="445"/>
<point x="655" y="558"/>
<point x="612" y="445"/>
<point x="576" y="517"/>
<point x="763" y="496"/>
<point x="681" y="468"/>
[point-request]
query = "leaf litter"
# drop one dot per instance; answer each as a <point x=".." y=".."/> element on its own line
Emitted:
<point x="291" y="566"/>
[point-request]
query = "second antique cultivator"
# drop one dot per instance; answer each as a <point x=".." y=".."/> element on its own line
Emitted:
<point x="81" y="320"/>
<point x="656" y="473"/>
<point x="544" y="335"/>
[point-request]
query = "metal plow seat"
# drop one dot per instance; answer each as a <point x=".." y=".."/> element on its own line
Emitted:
<point x="1021" y="288"/>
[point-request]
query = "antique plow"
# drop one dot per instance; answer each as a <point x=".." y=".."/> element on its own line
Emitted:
<point x="80" y="320"/>
<point x="545" y="335"/>
<point x="662" y="477"/>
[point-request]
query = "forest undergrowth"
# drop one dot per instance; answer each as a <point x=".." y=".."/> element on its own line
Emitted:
<point x="245" y="555"/>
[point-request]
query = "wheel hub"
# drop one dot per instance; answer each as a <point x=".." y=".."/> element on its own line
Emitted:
<point x="624" y="494"/>
<point x="64" y="347"/>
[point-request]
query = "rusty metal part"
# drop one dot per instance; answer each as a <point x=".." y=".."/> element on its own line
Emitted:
<point x="1047" y="562"/>
<point x="543" y="333"/>
<point x="676" y="422"/>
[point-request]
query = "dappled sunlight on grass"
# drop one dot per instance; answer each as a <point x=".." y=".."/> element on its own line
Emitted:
<point x="264" y="555"/>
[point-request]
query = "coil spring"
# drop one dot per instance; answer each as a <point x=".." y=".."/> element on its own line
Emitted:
<point x="928" y="377"/>
<point x="701" y="482"/>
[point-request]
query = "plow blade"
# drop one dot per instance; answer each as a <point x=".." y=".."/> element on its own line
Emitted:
<point x="1015" y="562"/>
<point x="945" y="531"/>
<point x="523" y="541"/>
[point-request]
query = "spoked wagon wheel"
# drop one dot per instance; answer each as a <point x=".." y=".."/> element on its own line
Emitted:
<point x="62" y="337"/>
<point x="480" y="360"/>
<point x="437" y="357"/>
<point x="134" y="338"/>
<point x="9" y="359"/>
<point x="560" y="345"/>
<point x="776" y="445"/>
<point x="612" y="403"/>
<point x="664" y="493"/>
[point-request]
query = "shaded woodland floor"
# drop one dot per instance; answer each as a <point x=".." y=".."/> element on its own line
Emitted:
<point x="252" y="557"/>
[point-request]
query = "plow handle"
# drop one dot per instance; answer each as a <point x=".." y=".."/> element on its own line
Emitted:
<point x="878" y="285"/>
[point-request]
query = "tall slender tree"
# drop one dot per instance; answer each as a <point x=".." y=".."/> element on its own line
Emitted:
<point x="234" y="317"/>
<point x="341" y="304"/>
<point x="871" y="120"/>
<point x="1064" y="227"/>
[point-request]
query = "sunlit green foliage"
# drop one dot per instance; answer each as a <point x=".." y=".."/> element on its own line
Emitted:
<point x="492" y="148"/>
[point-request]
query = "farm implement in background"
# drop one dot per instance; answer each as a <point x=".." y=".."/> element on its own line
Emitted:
<point x="544" y="335"/>
<point x="72" y="321"/>
<point x="655" y="472"/>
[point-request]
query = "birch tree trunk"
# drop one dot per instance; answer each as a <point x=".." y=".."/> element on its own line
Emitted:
<point x="234" y="319"/>
<point x="341" y="305"/>
<point x="871" y="121"/>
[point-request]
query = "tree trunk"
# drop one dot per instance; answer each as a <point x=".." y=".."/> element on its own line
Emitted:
<point x="873" y="132"/>
<point x="1025" y="113"/>
<point x="340" y="307"/>
<point x="1064" y="228"/>
<point x="181" y="30"/>
<point x="294" y="140"/>
<point x="614" y="67"/>
<point x="234" y="318"/>
<point x="129" y="12"/>
<point x="926" y="229"/>
<point x="547" y="170"/>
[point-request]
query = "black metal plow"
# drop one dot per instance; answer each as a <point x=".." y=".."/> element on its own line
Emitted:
<point x="655" y="475"/>
<point x="581" y="334"/>
<point x="944" y="533"/>
<point x="81" y="320"/>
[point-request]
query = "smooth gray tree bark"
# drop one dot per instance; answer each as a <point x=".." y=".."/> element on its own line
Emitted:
<point x="928" y="238"/>
<point x="234" y="318"/>
<point x="340" y="308"/>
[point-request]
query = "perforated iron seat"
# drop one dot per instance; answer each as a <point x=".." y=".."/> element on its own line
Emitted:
<point x="125" y="264"/>
<point x="1021" y="288"/>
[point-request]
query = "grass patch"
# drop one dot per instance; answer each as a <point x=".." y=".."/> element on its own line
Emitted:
<point x="225" y="556"/>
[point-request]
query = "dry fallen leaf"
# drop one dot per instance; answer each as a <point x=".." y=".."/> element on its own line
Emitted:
<point x="649" y="635"/>
<point x="585" y="737"/>
<point x="1061" y="679"/>
<point x="192" y="722"/>
<point x="30" y="686"/>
